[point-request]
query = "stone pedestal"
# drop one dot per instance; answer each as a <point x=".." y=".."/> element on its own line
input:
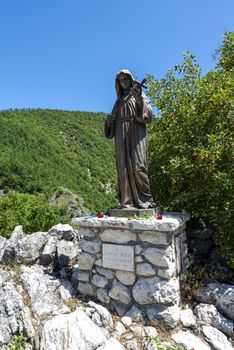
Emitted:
<point x="126" y="262"/>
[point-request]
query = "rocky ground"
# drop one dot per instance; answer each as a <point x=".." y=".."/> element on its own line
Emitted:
<point x="41" y="309"/>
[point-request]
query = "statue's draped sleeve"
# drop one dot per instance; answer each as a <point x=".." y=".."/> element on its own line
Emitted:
<point x="145" y="115"/>
<point x="109" y="127"/>
<point x="109" y="130"/>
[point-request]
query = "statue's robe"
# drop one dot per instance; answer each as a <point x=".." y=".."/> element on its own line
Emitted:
<point x="131" y="148"/>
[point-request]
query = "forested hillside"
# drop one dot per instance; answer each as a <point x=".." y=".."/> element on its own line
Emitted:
<point x="42" y="150"/>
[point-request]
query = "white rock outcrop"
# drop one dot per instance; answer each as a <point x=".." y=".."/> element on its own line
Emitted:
<point x="73" y="331"/>
<point x="47" y="293"/>
<point x="216" y="339"/>
<point x="168" y="316"/>
<point x="15" y="316"/>
<point x="40" y="298"/>
<point x="209" y="315"/>
<point x="219" y="294"/>
<point x="190" y="341"/>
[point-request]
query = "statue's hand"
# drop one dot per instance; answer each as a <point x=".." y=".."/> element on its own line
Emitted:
<point x="136" y="92"/>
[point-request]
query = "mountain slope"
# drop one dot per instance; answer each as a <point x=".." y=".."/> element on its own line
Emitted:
<point x="42" y="150"/>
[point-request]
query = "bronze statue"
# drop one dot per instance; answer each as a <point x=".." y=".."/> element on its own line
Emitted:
<point x="127" y="124"/>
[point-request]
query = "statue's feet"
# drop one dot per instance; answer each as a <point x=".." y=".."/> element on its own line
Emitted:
<point x="125" y="206"/>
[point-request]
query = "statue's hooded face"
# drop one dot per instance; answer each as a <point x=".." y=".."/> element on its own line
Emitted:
<point x="123" y="82"/>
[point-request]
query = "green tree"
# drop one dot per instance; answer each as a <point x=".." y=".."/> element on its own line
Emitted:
<point x="31" y="211"/>
<point x="191" y="143"/>
<point x="225" y="53"/>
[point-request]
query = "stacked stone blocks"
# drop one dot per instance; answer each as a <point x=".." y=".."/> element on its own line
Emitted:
<point x="159" y="260"/>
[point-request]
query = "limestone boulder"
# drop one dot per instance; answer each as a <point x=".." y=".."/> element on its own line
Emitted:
<point x="190" y="341"/>
<point x="126" y="321"/>
<point x="119" y="329"/>
<point x="167" y="315"/>
<point x="132" y="344"/>
<point x="118" y="307"/>
<point x="67" y="252"/>
<point x="187" y="318"/>
<point x="103" y="295"/>
<point x="105" y="272"/>
<point x="156" y="290"/>
<point x="135" y="314"/>
<point x="62" y="231"/>
<point x="99" y="281"/>
<point x="216" y="339"/>
<point x="9" y="251"/>
<point x="3" y="242"/>
<point x="92" y="247"/>
<point x="207" y="314"/>
<point x="159" y="257"/>
<point x="139" y="249"/>
<point x="79" y="275"/>
<point x="160" y="238"/>
<point x="71" y="331"/>
<point x="99" y="314"/>
<point x="15" y="316"/>
<point x="120" y="293"/>
<point x="28" y="249"/>
<point x="98" y="262"/>
<point x="167" y="273"/>
<point x="86" y="289"/>
<point x="117" y="236"/>
<point x="86" y="261"/>
<point x="126" y="277"/>
<point x="219" y="294"/>
<point x="47" y="294"/>
<point x="112" y="344"/>
<point x="48" y="254"/>
<point x="85" y="231"/>
<point x="145" y="269"/>
<point x="150" y="332"/>
<point x="137" y="330"/>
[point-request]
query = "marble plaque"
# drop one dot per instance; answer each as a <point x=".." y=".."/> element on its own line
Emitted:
<point x="118" y="257"/>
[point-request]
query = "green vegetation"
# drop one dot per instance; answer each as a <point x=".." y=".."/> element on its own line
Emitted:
<point x="31" y="211"/>
<point x="162" y="346"/>
<point x="18" y="343"/>
<point x="191" y="143"/>
<point x="42" y="150"/>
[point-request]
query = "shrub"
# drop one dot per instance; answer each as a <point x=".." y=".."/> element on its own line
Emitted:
<point x="31" y="211"/>
<point x="191" y="146"/>
<point x="18" y="343"/>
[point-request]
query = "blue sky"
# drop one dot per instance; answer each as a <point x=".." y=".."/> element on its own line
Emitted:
<point x="64" y="54"/>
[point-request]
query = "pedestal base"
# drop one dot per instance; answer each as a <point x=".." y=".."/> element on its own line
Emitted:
<point x="132" y="262"/>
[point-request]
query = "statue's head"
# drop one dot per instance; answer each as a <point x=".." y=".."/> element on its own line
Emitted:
<point x="123" y="82"/>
